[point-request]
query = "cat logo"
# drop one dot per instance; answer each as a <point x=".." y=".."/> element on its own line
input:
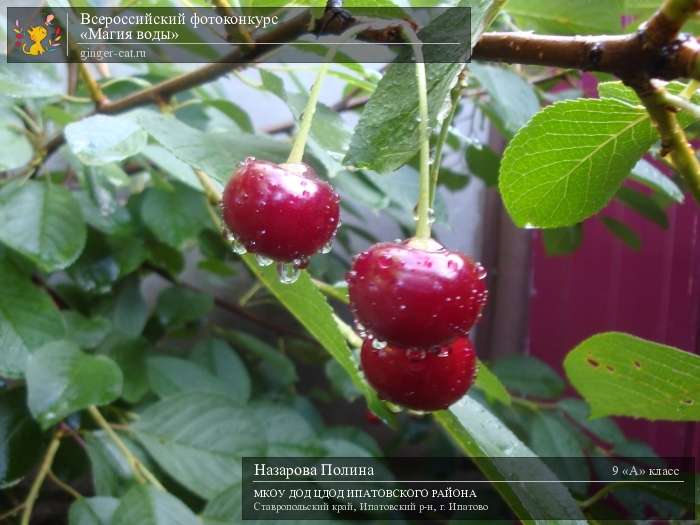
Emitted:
<point x="37" y="40"/>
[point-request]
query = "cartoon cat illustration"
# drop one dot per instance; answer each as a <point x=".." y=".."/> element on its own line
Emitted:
<point x="36" y="34"/>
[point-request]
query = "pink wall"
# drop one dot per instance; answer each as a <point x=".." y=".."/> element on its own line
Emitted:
<point x="653" y="293"/>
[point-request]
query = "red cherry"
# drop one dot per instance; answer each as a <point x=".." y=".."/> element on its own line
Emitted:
<point x="281" y="211"/>
<point x="420" y="379"/>
<point x="415" y="293"/>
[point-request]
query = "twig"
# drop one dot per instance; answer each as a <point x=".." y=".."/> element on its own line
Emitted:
<point x="595" y="498"/>
<point x="141" y="473"/>
<point x="40" y="477"/>
<point x="11" y="512"/>
<point x="63" y="485"/>
<point x="455" y="96"/>
<point x="673" y="139"/>
<point x="212" y="192"/>
<point x="682" y="103"/>
<point x="92" y="86"/>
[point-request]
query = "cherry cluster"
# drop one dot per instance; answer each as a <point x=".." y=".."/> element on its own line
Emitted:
<point x="414" y="301"/>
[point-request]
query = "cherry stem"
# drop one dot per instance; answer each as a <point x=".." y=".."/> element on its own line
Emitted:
<point x="423" y="208"/>
<point x="307" y="116"/>
<point x="455" y="95"/>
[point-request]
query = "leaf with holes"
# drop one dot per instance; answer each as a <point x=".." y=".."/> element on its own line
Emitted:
<point x="622" y="375"/>
<point x="570" y="159"/>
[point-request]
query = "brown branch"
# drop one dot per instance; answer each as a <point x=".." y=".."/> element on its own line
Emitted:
<point x="665" y="24"/>
<point x="654" y="51"/>
<point x="625" y="56"/>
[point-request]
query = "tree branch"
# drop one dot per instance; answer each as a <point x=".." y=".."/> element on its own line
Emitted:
<point x="655" y="51"/>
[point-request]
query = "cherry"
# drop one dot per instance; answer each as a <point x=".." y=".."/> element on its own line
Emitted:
<point x="420" y="379"/>
<point x="281" y="211"/>
<point x="415" y="293"/>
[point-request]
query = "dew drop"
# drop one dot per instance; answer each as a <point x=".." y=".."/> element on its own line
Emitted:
<point x="444" y="352"/>
<point x="301" y="263"/>
<point x="288" y="273"/>
<point x="237" y="247"/>
<point x="431" y="216"/>
<point x="416" y="354"/>
<point x="378" y="344"/>
<point x="326" y="248"/>
<point x="263" y="261"/>
<point x="480" y="271"/>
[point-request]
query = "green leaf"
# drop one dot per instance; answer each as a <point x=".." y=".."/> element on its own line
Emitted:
<point x="340" y="381"/>
<point x="112" y="474"/>
<point x="562" y="241"/>
<point x="528" y="376"/>
<point x="490" y="445"/>
<point x="513" y="99"/>
<point x="169" y="376"/>
<point x="483" y="163"/>
<point x="329" y="136"/>
<point x="387" y="135"/>
<point x="101" y="139"/>
<point x="273" y="83"/>
<point x="569" y="17"/>
<point x="232" y="111"/>
<point x="92" y="511"/>
<point x="622" y="232"/>
<point x="42" y="222"/>
<point x="217" y="154"/>
<point x="86" y="332"/>
<point x="310" y="308"/>
<point x="128" y="311"/>
<point x="61" y="380"/>
<point x="218" y="357"/>
<point x="175" y="216"/>
<point x="130" y="355"/>
<point x="226" y="509"/>
<point x="35" y="81"/>
<point x="16" y="150"/>
<point x="148" y="505"/>
<point x="622" y="375"/>
<point x="277" y="369"/>
<point x="489" y="384"/>
<point x="646" y="173"/>
<point x="643" y="205"/>
<point x="553" y="437"/>
<point x="603" y="428"/>
<point x="28" y="320"/>
<point x="179" y="305"/>
<point x="21" y="442"/>
<point x="171" y="165"/>
<point x="570" y="159"/>
<point x="200" y="438"/>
